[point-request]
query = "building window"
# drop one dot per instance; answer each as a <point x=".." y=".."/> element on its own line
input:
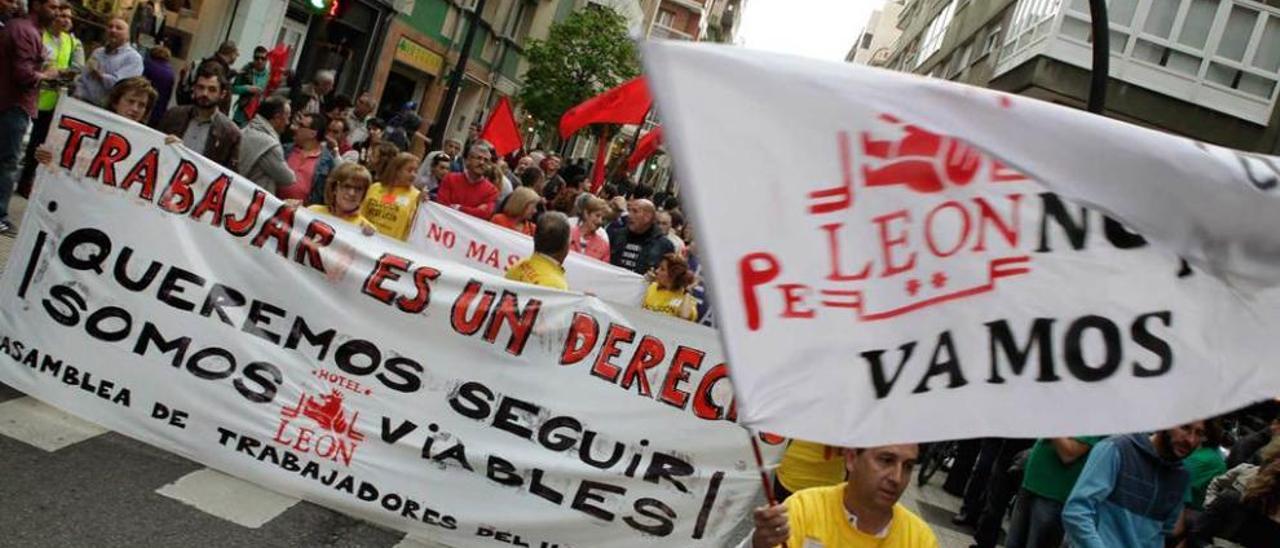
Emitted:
<point x="866" y="40"/>
<point x="992" y="40"/>
<point x="934" y="34"/>
<point x="667" y="18"/>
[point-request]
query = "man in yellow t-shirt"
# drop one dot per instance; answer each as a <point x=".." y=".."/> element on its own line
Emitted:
<point x="550" y="248"/>
<point x="808" y="464"/>
<point x="862" y="512"/>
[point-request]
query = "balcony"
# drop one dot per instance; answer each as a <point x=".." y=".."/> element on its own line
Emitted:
<point x="663" y="31"/>
<point x="1221" y="54"/>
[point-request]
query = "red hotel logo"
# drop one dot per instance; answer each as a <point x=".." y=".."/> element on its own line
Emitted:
<point x="321" y="426"/>
<point x="920" y="257"/>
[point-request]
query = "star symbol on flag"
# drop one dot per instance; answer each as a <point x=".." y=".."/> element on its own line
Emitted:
<point x="939" y="279"/>
<point x="913" y="287"/>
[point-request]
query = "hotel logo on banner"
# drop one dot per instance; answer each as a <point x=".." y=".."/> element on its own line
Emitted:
<point x="320" y="425"/>
<point x="910" y="269"/>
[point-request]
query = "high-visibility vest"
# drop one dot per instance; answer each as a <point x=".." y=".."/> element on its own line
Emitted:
<point x="61" y="60"/>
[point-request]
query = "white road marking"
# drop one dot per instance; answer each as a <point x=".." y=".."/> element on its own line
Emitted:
<point x="34" y="423"/>
<point x="229" y="498"/>
<point x="412" y="542"/>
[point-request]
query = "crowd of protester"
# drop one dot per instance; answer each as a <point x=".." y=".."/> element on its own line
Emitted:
<point x="312" y="147"/>
<point x="1194" y="485"/>
<point x="1181" y="487"/>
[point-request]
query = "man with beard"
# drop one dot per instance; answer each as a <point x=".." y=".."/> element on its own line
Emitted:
<point x="864" y="511"/>
<point x="111" y="63"/>
<point x="202" y="126"/>
<point x="1132" y="489"/>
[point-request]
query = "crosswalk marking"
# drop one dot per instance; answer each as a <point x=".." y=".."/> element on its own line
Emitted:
<point x="228" y="498"/>
<point x="34" y="423"/>
<point x="413" y="542"/>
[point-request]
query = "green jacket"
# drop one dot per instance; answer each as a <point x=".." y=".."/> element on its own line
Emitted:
<point x="240" y="86"/>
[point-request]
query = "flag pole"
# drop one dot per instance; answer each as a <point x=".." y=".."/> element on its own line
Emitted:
<point x="764" y="475"/>
<point x="635" y="141"/>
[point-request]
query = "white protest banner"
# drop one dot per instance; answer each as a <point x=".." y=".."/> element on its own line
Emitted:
<point x="879" y="276"/>
<point x="444" y="232"/>
<point x="159" y="296"/>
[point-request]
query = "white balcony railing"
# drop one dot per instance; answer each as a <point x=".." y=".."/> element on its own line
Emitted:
<point x="1220" y="54"/>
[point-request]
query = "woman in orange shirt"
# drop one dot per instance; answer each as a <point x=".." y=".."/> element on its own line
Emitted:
<point x="519" y="210"/>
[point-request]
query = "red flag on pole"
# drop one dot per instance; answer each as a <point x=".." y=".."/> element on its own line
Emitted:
<point x="626" y="104"/>
<point x="602" y="157"/>
<point x="501" y="130"/>
<point x="276" y="59"/>
<point x="645" y="148"/>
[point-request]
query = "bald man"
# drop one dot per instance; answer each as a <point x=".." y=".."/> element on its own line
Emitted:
<point x="639" y="244"/>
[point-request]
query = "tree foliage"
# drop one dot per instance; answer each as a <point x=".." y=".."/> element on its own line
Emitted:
<point x="584" y="55"/>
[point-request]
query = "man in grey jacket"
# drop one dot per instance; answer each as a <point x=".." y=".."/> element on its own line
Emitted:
<point x="261" y="154"/>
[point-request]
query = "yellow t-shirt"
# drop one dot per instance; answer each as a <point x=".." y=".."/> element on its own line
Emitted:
<point x="539" y="269"/>
<point x="818" y="520"/>
<point x="807" y="464"/>
<point x="356" y="219"/>
<point x="391" y="209"/>
<point x="669" y="302"/>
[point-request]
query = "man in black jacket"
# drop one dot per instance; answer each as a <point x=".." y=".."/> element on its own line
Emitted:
<point x="639" y="245"/>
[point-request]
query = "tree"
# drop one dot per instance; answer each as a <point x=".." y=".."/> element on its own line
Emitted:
<point x="586" y="54"/>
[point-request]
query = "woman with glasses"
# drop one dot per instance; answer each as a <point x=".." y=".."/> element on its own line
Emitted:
<point x="344" y="192"/>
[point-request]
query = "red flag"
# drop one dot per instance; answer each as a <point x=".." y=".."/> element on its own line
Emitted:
<point x="645" y="148"/>
<point x="276" y="59"/>
<point x="625" y="104"/>
<point x="602" y="157"/>
<point x="501" y="130"/>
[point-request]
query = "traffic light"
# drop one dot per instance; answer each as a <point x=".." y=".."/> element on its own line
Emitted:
<point x="327" y="8"/>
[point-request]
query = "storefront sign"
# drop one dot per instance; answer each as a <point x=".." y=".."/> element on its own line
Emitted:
<point x="418" y="56"/>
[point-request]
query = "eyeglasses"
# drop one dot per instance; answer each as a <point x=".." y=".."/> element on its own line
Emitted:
<point x="356" y="188"/>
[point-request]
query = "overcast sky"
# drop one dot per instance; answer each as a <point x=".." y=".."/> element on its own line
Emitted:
<point x="825" y="29"/>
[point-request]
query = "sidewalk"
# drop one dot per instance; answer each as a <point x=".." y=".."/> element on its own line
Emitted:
<point x="17" y="208"/>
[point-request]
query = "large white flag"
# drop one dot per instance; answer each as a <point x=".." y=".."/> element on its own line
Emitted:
<point x="883" y="272"/>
